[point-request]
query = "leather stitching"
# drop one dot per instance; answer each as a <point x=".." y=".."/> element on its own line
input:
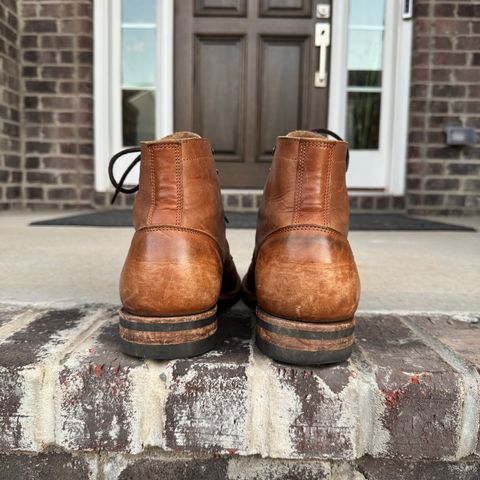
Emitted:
<point x="295" y="192"/>
<point x="153" y="180"/>
<point x="179" y="185"/>
<point x="299" y="182"/>
<point x="200" y="157"/>
<point x="152" y="187"/>
<point x="326" y="217"/>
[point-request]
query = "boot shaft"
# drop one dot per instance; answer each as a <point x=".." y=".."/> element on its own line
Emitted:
<point x="306" y="185"/>
<point x="179" y="186"/>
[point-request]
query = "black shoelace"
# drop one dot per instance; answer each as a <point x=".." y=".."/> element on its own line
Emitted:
<point x="119" y="188"/>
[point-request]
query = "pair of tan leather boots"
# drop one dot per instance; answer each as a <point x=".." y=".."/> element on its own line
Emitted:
<point x="302" y="280"/>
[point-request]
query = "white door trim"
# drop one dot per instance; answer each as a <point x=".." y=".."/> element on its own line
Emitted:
<point x="107" y="82"/>
<point x="390" y="176"/>
<point x="164" y="90"/>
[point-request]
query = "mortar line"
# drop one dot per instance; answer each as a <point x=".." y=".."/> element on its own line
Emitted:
<point x="369" y="437"/>
<point x="46" y="398"/>
<point x="149" y="393"/>
<point x="19" y="322"/>
<point x="69" y="347"/>
<point x="467" y="442"/>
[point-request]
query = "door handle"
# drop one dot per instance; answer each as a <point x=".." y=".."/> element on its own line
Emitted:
<point x="322" y="40"/>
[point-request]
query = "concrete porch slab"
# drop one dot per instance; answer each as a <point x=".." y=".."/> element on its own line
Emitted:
<point x="400" y="271"/>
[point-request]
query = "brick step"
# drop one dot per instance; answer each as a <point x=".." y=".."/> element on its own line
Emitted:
<point x="411" y="390"/>
<point x="159" y="465"/>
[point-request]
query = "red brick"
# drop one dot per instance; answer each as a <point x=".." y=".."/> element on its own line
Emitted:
<point x="422" y="393"/>
<point x="450" y="27"/>
<point x="444" y="10"/>
<point x="449" y="58"/>
<point x="43" y="466"/>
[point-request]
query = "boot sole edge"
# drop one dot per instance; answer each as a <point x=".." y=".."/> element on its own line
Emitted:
<point x="304" y="343"/>
<point x="168" y="338"/>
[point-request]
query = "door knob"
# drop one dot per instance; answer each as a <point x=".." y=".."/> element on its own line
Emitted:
<point x="322" y="40"/>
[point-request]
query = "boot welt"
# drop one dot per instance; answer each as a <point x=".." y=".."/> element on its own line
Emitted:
<point x="166" y="338"/>
<point x="304" y="343"/>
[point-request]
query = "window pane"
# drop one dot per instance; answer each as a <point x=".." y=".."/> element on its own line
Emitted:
<point x="365" y="49"/>
<point x="365" y="63"/>
<point x="138" y="11"/>
<point x="363" y="119"/>
<point x="138" y="59"/>
<point x="365" y="78"/>
<point x="367" y="12"/>
<point x="138" y="116"/>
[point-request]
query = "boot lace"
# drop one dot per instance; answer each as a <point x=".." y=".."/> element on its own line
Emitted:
<point x="119" y="188"/>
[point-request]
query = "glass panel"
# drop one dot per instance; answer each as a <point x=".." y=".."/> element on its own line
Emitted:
<point x="138" y="59"/>
<point x="367" y="12"/>
<point x="138" y="116"/>
<point x="363" y="119"/>
<point x="365" y="49"/>
<point x="365" y="78"/>
<point x="138" y="70"/>
<point x="365" y="63"/>
<point x="138" y="11"/>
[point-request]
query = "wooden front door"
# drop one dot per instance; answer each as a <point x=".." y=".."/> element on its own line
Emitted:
<point x="244" y="74"/>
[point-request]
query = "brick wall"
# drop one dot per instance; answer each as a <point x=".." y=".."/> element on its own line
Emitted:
<point x="10" y="159"/>
<point x="57" y="70"/>
<point x="48" y="162"/>
<point x="445" y="90"/>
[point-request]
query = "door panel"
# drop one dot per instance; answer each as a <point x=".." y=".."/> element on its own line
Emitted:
<point x="282" y="62"/>
<point x="218" y="8"/>
<point x="220" y="121"/>
<point x="242" y="81"/>
<point x="285" y="8"/>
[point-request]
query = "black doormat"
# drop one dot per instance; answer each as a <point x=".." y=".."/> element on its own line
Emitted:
<point x="358" y="221"/>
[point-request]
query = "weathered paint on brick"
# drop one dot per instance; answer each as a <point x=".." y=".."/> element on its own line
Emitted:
<point x="66" y="384"/>
<point x="21" y="358"/>
<point x="32" y="343"/>
<point x="323" y="425"/>
<point x="9" y="312"/>
<point x="94" y="389"/>
<point x="463" y="338"/>
<point x="422" y="393"/>
<point x="206" y="408"/>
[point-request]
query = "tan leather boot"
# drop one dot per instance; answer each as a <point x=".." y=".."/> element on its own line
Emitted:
<point x="179" y="266"/>
<point x="303" y="276"/>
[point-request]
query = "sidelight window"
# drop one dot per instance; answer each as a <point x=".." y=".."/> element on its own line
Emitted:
<point x="364" y="77"/>
<point x="138" y="59"/>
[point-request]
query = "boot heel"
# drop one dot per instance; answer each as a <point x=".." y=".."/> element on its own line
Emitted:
<point x="304" y="343"/>
<point x="166" y="338"/>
